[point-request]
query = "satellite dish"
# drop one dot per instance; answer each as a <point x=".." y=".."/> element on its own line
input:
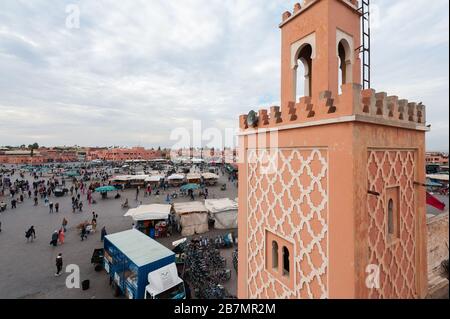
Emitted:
<point x="252" y="119"/>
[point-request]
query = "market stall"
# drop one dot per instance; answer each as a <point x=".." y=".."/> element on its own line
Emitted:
<point x="151" y="220"/>
<point x="224" y="212"/>
<point x="121" y="181"/>
<point x="176" y="180"/>
<point x="137" y="180"/>
<point x="192" y="217"/>
<point x="154" y="180"/>
<point x="193" y="178"/>
<point x="210" y="179"/>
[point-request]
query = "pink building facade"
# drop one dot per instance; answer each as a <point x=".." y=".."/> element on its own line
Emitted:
<point x="330" y="197"/>
<point x="123" y="154"/>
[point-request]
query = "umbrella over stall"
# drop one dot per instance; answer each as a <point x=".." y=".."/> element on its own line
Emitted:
<point x="188" y="187"/>
<point x="105" y="189"/>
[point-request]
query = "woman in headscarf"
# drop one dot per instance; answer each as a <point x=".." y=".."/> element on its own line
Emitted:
<point x="61" y="236"/>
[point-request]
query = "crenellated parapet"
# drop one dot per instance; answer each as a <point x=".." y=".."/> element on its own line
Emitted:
<point x="299" y="7"/>
<point x="352" y="103"/>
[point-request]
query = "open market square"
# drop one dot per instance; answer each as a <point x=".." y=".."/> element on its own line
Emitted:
<point x="28" y="266"/>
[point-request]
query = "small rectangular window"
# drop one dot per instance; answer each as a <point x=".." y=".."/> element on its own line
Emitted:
<point x="393" y="213"/>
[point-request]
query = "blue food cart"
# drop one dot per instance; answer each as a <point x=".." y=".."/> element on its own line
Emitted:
<point x="139" y="267"/>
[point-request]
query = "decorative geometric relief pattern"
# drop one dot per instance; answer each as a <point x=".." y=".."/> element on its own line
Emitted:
<point x="290" y="200"/>
<point x="386" y="168"/>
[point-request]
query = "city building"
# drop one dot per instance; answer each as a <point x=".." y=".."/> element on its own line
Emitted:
<point x="436" y="158"/>
<point x="331" y="196"/>
<point x="40" y="156"/>
<point x="122" y="154"/>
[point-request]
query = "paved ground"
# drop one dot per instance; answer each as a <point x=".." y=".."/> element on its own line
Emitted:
<point x="27" y="269"/>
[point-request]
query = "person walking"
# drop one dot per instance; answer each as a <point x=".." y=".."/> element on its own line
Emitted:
<point x="61" y="236"/>
<point x="50" y="206"/>
<point x="54" y="240"/>
<point x="137" y="193"/>
<point x="83" y="232"/>
<point x="64" y="224"/>
<point x="103" y="233"/>
<point x="35" y="201"/>
<point x="57" y="207"/>
<point x="59" y="265"/>
<point x="13" y="203"/>
<point x="30" y="234"/>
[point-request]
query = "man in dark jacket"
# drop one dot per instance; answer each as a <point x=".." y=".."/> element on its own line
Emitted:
<point x="30" y="234"/>
<point x="59" y="265"/>
<point x="54" y="240"/>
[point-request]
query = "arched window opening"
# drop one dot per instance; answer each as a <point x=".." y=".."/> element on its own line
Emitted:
<point x="303" y="72"/>
<point x="286" y="262"/>
<point x="391" y="218"/>
<point x="274" y="255"/>
<point x="345" y="64"/>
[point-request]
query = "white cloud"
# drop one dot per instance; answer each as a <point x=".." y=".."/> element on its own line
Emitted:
<point x="136" y="69"/>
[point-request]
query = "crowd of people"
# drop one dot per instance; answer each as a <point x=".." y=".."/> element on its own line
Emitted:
<point x="20" y="186"/>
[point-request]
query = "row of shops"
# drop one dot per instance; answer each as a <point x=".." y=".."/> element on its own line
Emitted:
<point x="189" y="218"/>
<point x="156" y="179"/>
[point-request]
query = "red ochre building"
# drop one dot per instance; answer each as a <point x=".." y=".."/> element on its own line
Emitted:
<point x="40" y="156"/>
<point x="122" y="154"/>
<point x="437" y="158"/>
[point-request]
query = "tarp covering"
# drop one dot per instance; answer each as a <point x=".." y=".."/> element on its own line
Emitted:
<point x="175" y="176"/>
<point x="163" y="279"/>
<point x="191" y="176"/>
<point x="189" y="207"/>
<point x="224" y="212"/>
<point x="154" y="178"/>
<point x="433" y="201"/>
<point x="210" y="176"/>
<point x="194" y="223"/>
<point x="149" y="212"/>
<point x="193" y="218"/>
<point x="138" y="177"/>
<point x="220" y="205"/>
<point x="121" y="178"/>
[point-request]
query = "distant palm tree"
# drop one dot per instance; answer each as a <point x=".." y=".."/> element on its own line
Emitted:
<point x="33" y="147"/>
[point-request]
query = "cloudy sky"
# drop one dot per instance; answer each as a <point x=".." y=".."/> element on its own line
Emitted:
<point x="136" y="69"/>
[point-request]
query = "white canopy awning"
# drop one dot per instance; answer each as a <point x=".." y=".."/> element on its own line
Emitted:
<point x="220" y="205"/>
<point x="155" y="178"/>
<point x="175" y="176"/>
<point x="210" y="176"/>
<point x="121" y="178"/>
<point x="189" y="207"/>
<point x="149" y="212"/>
<point x="138" y="177"/>
<point x="191" y="176"/>
<point x="163" y="279"/>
